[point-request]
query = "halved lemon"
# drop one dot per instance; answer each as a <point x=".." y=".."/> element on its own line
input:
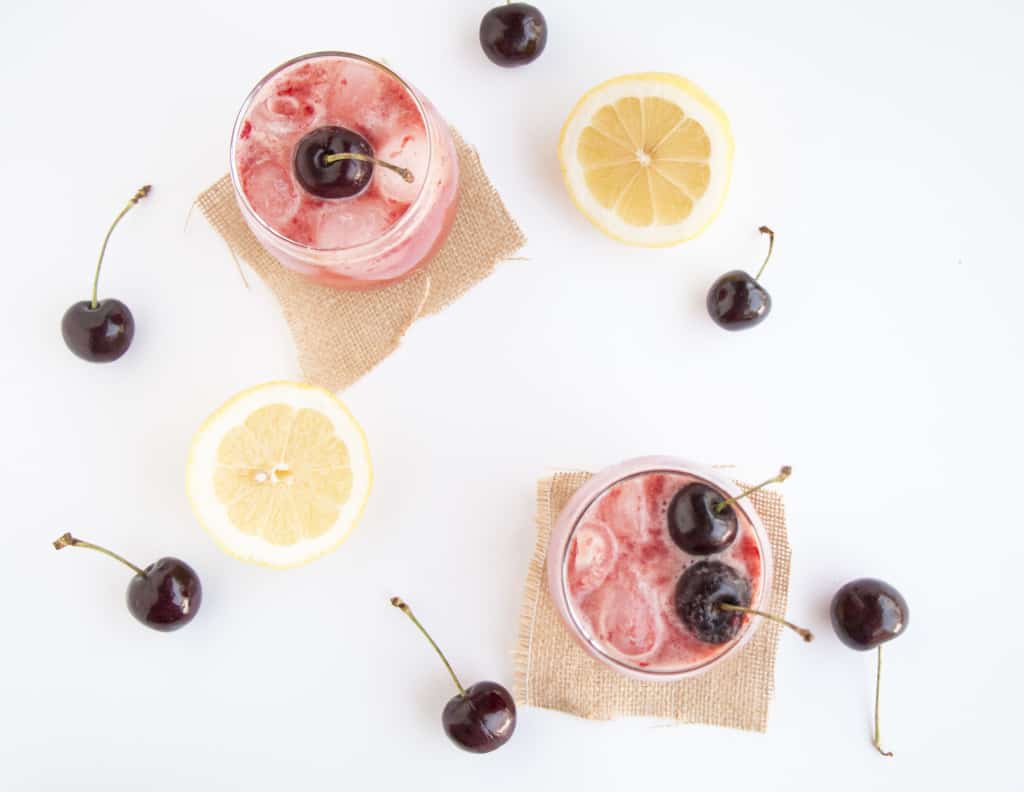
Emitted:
<point x="279" y="474"/>
<point x="647" y="158"/>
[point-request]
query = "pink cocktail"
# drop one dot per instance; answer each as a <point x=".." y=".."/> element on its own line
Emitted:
<point x="613" y="568"/>
<point x="392" y="225"/>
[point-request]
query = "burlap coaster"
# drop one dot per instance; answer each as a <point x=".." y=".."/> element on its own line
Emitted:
<point x="342" y="335"/>
<point x="552" y="671"/>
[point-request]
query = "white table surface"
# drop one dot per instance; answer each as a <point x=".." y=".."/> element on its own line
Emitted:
<point x="882" y="141"/>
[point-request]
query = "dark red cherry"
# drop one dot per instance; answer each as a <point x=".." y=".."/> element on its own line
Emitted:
<point x="324" y="178"/>
<point x="701" y="521"/>
<point x="513" y="34"/>
<point x="98" y="333"/>
<point x="695" y="522"/>
<point x="166" y="595"/>
<point x="712" y="598"/>
<point x="480" y="718"/>
<point x="701" y="591"/>
<point x="101" y="330"/>
<point x="737" y="300"/>
<point x="867" y="612"/>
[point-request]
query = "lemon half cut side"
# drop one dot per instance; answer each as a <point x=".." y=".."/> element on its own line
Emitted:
<point x="279" y="474"/>
<point x="647" y="158"/>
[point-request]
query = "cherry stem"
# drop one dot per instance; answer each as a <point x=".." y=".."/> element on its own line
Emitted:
<point x="67" y="540"/>
<point x="771" y="244"/>
<point x="878" y="687"/>
<point x="405" y="173"/>
<point x="804" y="633"/>
<point x="140" y="193"/>
<point x="784" y="473"/>
<point x="400" y="604"/>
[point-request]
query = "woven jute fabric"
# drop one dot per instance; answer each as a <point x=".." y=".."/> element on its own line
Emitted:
<point x="341" y="335"/>
<point x="552" y="671"/>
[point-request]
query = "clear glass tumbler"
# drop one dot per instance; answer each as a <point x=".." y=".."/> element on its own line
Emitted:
<point x="612" y="569"/>
<point x="377" y="236"/>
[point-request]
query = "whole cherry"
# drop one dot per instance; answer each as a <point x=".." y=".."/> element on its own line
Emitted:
<point x="478" y="719"/>
<point x="100" y="331"/>
<point x="867" y="613"/>
<point x="335" y="162"/>
<point x="701" y="521"/>
<point x="711" y="598"/>
<point x="736" y="300"/>
<point x="165" y="596"/>
<point x="513" y="34"/>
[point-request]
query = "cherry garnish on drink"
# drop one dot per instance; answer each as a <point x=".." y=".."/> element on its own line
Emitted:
<point x="736" y="300"/>
<point x="165" y="596"/>
<point x="513" y="34"/>
<point x="335" y="162"/>
<point x="480" y="718"/>
<point x="100" y="331"/>
<point x="867" y="613"/>
<point x="711" y="598"/>
<point x="702" y="522"/>
<point x="701" y="590"/>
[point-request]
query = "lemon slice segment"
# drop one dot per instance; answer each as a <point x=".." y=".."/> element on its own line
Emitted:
<point x="647" y="158"/>
<point x="279" y="474"/>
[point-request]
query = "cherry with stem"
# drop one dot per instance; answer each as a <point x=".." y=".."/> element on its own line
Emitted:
<point x="336" y="162"/>
<point x="701" y="521"/>
<point x="165" y="596"/>
<point x="867" y="613"/>
<point x="736" y="300"/>
<point x="100" y="331"/>
<point x="478" y="719"/>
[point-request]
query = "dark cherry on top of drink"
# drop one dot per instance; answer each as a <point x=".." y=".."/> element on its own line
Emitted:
<point x="711" y="597"/>
<point x="335" y="162"/>
<point x="701" y="521"/>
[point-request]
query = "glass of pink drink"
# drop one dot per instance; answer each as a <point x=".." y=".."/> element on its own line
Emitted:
<point x="369" y="239"/>
<point x="612" y="569"/>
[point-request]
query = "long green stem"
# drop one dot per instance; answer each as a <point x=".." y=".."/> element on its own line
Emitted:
<point x="400" y="604"/>
<point x="771" y="244"/>
<point x="878" y="688"/>
<point x="405" y="173"/>
<point x="141" y="193"/>
<point x="803" y="632"/>
<point x="67" y="540"/>
<point x="784" y="474"/>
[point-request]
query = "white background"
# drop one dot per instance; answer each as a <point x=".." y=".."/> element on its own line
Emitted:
<point x="883" y="143"/>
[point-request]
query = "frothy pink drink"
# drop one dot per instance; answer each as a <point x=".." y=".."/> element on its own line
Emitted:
<point x="391" y="226"/>
<point x="620" y="568"/>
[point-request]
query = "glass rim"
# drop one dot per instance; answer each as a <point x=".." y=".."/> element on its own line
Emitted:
<point x="396" y="228"/>
<point x="578" y="505"/>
